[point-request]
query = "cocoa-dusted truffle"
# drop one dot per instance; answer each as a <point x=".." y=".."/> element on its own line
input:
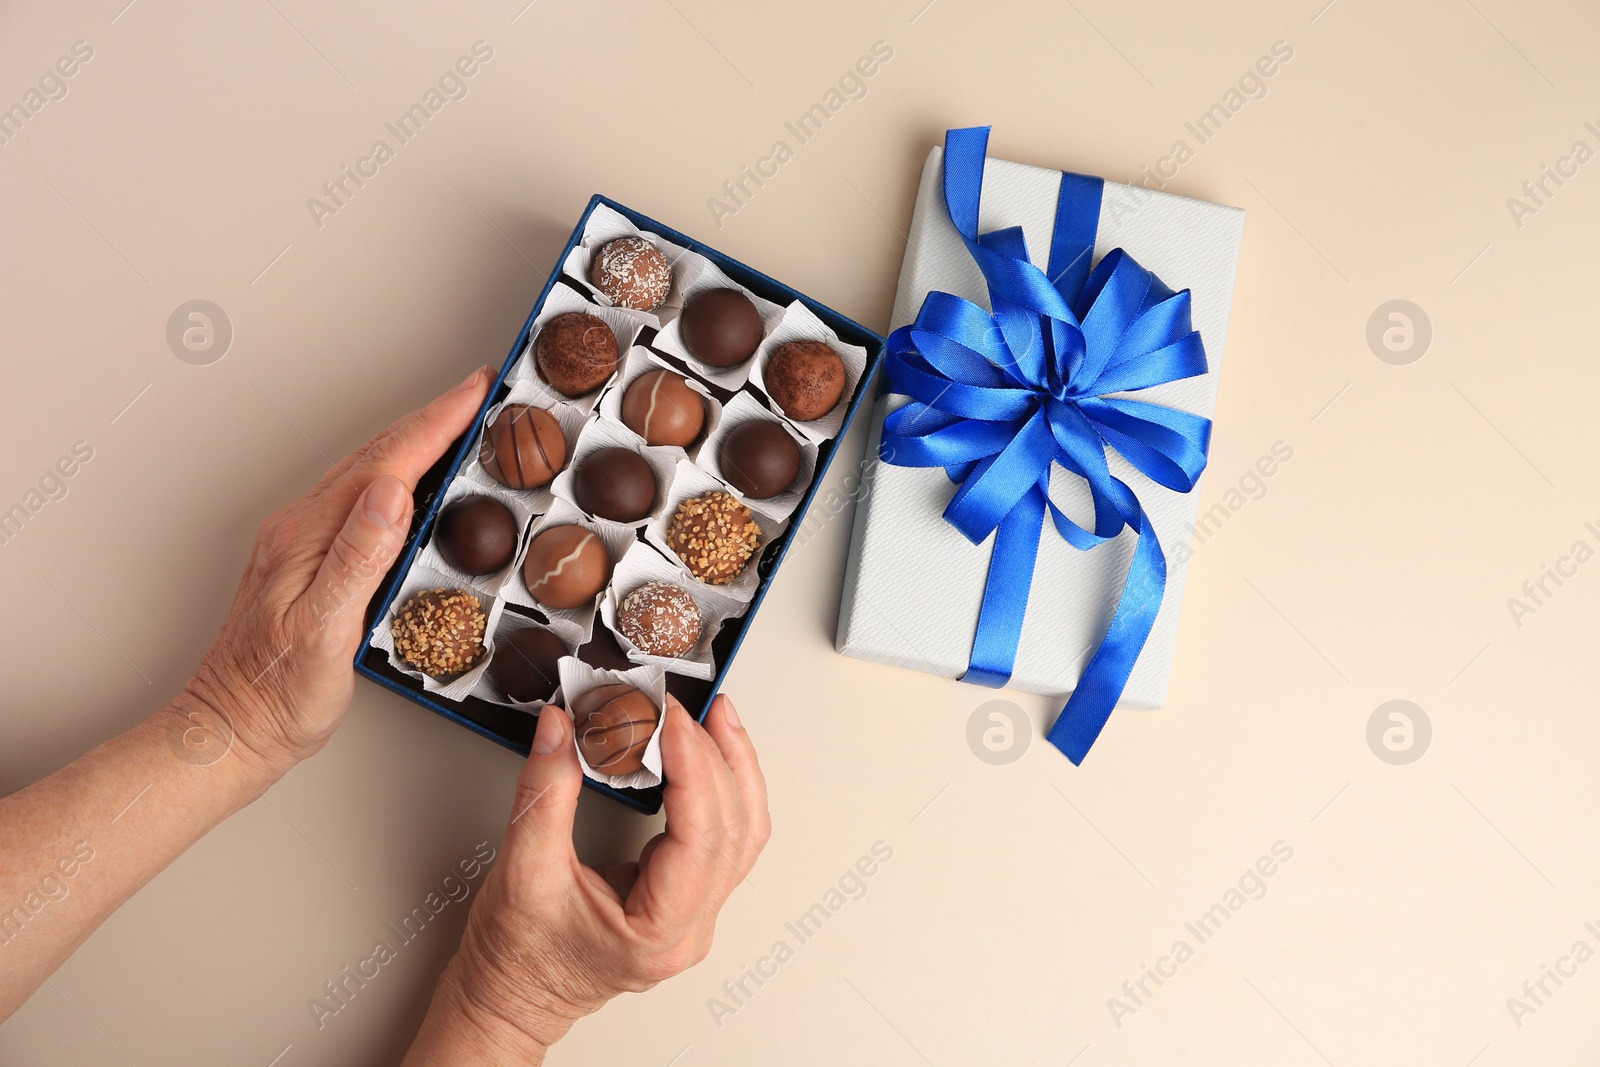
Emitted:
<point x="660" y="407"/>
<point x="524" y="665"/>
<point x="615" y="484"/>
<point x="759" y="458"/>
<point x="476" y="534"/>
<point x="660" y="619"/>
<point x="714" y="535"/>
<point x="566" y="566"/>
<point x="523" y="448"/>
<point x="439" y="632"/>
<point x="720" y="327"/>
<point x="613" y="724"/>
<point x="631" y="272"/>
<point x="575" y="352"/>
<point x="805" y="379"/>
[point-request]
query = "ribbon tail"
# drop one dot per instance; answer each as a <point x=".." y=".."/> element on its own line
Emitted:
<point x="1106" y="675"/>
<point x="1005" y="594"/>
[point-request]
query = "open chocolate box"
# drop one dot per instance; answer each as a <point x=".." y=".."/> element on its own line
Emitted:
<point x="640" y="551"/>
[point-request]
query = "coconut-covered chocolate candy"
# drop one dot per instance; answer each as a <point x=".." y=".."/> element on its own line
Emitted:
<point x="632" y="273"/>
<point x="660" y="618"/>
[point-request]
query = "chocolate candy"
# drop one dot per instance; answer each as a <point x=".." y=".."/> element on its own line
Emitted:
<point x="660" y="619"/>
<point x="632" y="273"/>
<point x="524" y="664"/>
<point x="575" y="353"/>
<point x="476" y="534"/>
<point x="615" y="484"/>
<point x="566" y="566"/>
<point x="613" y="724"/>
<point x="523" y="447"/>
<point x="720" y="327"/>
<point x="714" y="535"/>
<point x="439" y="632"/>
<point x="759" y="458"/>
<point x="660" y="407"/>
<point x="805" y="379"/>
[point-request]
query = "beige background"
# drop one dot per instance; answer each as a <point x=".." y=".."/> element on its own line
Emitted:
<point x="1019" y="898"/>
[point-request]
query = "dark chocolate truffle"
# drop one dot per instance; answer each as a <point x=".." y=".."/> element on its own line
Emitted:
<point x="660" y="407"/>
<point x="576" y="353"/>
<point x="714" y="535"/>
<point x="524" y="664"/>
<point x="759" y="458"/>
<point x="566" y="566"/>
<point x="615" y="484"/>
<point x="476" y="534"/>
<point x="632" y="273"/>
<point x="439" y="632"/>
<point x="660" y="619"/>
<point x="805" y="379"/>
<point x="603" y="651"/>
<point x="523" y="447"/>
<point x="613" y="724"/>
<point x="720" y="327"/>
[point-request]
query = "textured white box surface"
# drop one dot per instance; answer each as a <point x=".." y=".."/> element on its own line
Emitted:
<point x="913" y="584"/>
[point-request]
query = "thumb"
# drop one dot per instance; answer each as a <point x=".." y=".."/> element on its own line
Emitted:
<point x="358" y="558"/>
<point x="540" y="833"/>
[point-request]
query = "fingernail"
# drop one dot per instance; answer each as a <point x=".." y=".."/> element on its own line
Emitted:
<point x="551" y="732"/>
<point x="385" y="502"/>
<point x="470" y="381"/>
<point x="729" y="714"/>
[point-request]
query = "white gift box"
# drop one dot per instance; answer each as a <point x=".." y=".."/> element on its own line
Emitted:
<point x="913" y="583"/>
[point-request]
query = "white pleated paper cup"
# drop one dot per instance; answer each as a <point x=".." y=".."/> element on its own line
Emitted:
<point x="799" y="323"/>
<point x="578" y="677"/>
<point x="606" y="225"/>
<point x="418" y="579"/>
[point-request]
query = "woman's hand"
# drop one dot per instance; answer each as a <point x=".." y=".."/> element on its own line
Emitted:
<point x="550" y="940"/>
<point x="278" y="679"/>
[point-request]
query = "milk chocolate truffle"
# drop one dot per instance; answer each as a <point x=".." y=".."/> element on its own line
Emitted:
<point x="613" y="724"/>
<point x="714" y="535"/>
<point x="660" y="619"/>
<point x="524" y="664"/>
<point x="759" y="458"/>
<point x="439" y="632"/>
<point x="523" y="447"/>
<point x="720" y="327"/>
<point x="615" y="484"/>
<point x="566" y="566"/>
<point x="632" y="273"/>
<point x="660" y="407"/>
<point x="576" y="353"/>
<point x="476" y="534"/>
<point x="805" y="379"/>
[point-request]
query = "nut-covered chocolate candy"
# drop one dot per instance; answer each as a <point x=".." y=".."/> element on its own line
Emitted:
<point x="439" y="632"/>
<point x="566" y="566"/>
<point x="524" y="665"/>
<point x="805" y="379"/>
<point x="523" y="448"/>
<point x="613" y="724"/>
<point x="476" y="534"/>
<point x="661" y="619"/>
<point x="660" y="407"/>
<point x="759" y="458"/>
<point x="615" y="484"/>
<point x="632" y="273"/>
<point x="720" y="327"/>
<point x="714" y="535"/>
<point x="575" y="352"/>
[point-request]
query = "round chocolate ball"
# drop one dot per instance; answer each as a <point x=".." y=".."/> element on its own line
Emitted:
<point x="439" y="632"/>
<point x="476" y="534"/>
<point x="632" y="273"/>
<point x="523" y="448"/>
<point x="759" y="458"/>
<point x="615" y="484"/>
<point x="720" y="327"/>
<point x="566" y="566"/>
<point x="660" y="407"/>
<point x="524" y="664"/>
<point x="576" y="353"/>
<point x="714" y="535"/>
<point x="805" y="379"/>
<point x="613" y="724"/>
<point x="660" y="619"/>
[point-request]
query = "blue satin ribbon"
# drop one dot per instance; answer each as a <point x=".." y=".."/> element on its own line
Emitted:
<point x="998" y="399"/>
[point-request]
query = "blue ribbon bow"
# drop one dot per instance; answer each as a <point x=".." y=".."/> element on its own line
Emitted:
<point x="997" y="399"/>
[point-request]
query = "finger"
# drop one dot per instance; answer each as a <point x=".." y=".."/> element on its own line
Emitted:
<point x="682" y="861"/>
<point x="723" y="725"/>
<point x="539" y="836"/>
<point x="356" y="562"/>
